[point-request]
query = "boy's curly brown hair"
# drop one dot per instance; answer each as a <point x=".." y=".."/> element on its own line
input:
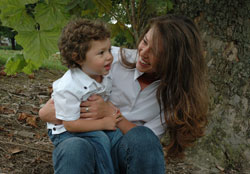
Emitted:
<point x="76" y="37"/>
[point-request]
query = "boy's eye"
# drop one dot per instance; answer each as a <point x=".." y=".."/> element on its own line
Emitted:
<point x="101" y="52"/>
<point x="110" y="50"/>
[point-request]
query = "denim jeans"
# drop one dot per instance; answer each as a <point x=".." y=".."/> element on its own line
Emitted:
<point x="102" y="141"/>
<point x="139" y="151"/>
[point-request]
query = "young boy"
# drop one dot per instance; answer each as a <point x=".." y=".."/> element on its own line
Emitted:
<point x="86" y="49"/>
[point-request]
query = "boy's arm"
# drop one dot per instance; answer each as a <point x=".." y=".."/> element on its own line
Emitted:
<point x="82" y="125"/>
<point x="124" y="125"/>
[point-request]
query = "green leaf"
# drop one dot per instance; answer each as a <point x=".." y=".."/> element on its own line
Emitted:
<point x="30" y="67"/>
<point x="14" y="15"/>
<point x="30" y="1"/>
<point x="50" y="15"/>
<point x="38" y="45"/>
<point x="104" y="6"/>
<point x="15" y="64"/>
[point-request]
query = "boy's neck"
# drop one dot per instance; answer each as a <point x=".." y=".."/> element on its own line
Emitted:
<point x="97" y="78"/>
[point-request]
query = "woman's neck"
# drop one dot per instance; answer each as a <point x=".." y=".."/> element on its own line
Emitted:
<point x="146" y="79"/>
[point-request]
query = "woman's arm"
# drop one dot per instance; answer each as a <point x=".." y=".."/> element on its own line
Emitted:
<point x="47" y="113"/>
<point x="99" y="108"/>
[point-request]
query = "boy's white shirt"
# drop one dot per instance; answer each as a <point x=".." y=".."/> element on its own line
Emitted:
<point x="70" y="90"/>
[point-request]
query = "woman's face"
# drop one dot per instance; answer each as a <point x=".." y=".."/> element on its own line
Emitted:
<point x="146" y="61"/>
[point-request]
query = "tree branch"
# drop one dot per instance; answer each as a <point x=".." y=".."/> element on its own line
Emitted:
<point x="116" y="18"/>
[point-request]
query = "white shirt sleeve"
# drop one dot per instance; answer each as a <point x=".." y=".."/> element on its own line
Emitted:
<point x="67" y="105"/>
<point x="130" y="54"/>
<point x="157" y="125"/>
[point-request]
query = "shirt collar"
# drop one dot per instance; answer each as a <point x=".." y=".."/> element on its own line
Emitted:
<point x="137" y="74"/>
<point x="83" y="78"/>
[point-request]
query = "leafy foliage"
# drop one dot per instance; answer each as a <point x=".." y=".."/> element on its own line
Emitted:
<point x="39" y="23"/>
<point x="15" y="64"/>
<point x="38" y="30"/>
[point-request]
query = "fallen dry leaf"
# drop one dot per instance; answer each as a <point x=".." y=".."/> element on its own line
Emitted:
<point x="32" y="76"/>
<point x="50" y="90"/>
<point x="5" y="110"/>
<point x="31" y="121"/>
<point x="15" y="150"/>
<point x="22" y="116"/>
<point x="2" y="109"/>
<point x="220" y="168"/>
<point x="2" y="73"/>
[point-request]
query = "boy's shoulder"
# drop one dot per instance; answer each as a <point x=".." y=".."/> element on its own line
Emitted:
<point x="72" y="80"/>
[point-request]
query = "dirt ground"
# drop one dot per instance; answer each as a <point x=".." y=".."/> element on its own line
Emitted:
<point x="24" y="145"/>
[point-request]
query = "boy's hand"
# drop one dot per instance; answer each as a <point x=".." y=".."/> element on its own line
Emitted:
<point x="110" y="123"/>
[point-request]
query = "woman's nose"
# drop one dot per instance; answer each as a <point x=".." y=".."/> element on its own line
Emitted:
<point x="145" y="51"/>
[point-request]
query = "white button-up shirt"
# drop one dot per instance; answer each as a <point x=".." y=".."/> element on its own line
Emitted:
<point x="136" y="105"/>
<point x="70" y="90"/>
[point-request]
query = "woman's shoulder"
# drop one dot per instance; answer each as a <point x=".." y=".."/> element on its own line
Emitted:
<point x="130" y="54"/>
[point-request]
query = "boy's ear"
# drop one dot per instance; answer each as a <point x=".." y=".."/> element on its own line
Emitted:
<point x="74" y="55"/>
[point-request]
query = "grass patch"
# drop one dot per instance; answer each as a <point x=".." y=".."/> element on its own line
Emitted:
<point x="53" y="62"/>
<point x="5" y="54"/>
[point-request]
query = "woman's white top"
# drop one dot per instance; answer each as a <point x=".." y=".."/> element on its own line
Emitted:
<point x="136" y="105"/>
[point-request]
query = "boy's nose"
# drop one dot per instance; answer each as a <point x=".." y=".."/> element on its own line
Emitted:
<point x="109" y="56"/>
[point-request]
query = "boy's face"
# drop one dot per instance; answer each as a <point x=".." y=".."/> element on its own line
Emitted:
<point x="98" y="58"/>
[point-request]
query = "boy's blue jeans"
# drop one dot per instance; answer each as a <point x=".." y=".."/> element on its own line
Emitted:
<point x="139" y="151"/>
<point x="101" y="141"/>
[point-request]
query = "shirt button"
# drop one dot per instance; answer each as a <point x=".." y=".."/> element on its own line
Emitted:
<point x="85" y="87"/>
<point x="54" y="129"/>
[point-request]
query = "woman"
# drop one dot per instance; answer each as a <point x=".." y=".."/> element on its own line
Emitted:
<point x="164" y="88"/>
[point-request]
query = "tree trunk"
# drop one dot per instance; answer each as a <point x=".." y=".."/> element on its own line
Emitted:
<point x="225" y="29"/>
<point x="13" y="44"/>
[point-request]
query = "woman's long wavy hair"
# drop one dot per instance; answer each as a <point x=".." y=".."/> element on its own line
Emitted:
<point x="181" y="68"/>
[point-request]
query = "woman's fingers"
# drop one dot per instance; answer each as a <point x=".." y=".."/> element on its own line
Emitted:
<point x="94" y="97"/>
<point x="85" y="103"/>
<point x="85" y="115"/>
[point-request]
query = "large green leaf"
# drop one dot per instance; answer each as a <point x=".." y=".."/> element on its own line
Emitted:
<point x="38" y="45"/>
<point x="30" y="67"/>
<point x="15" y="64"/>
<point x="50" y="15"/>
<point x="14" y="15"/>
<point x="104" y="6"/>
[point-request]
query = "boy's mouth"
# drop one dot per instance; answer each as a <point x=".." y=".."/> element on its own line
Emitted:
<point x="107" y="67"/>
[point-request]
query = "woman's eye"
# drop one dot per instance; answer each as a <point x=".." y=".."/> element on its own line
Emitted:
<point x="145" y="42"/>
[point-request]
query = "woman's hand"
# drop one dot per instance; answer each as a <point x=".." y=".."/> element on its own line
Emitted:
<point x="95" y="108"/>
<point x="47" y="113"/>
